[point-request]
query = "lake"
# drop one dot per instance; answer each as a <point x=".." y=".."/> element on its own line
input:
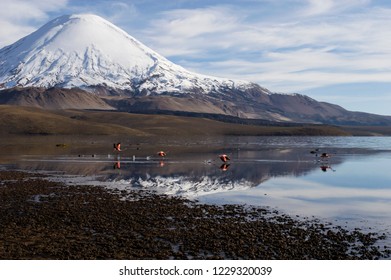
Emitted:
<point x="351" y="188"/>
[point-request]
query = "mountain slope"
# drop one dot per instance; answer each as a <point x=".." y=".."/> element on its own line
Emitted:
<point x="19" y="120"/>
<point x="33" y="121"/>
<point x="53" y="98"/>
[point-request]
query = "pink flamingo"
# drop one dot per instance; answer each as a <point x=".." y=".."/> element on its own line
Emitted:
<point x="224" y="158"/>
<point x="117" y="147"/>
<point x="161" y="154"/>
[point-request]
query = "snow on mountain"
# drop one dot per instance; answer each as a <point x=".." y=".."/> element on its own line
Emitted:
<point x="184" y="186"/>
<point x="190" y="188"/>
<point x="86" y="50"/>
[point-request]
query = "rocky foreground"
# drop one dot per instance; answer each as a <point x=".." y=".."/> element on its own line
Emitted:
<point x="41" y="219"/>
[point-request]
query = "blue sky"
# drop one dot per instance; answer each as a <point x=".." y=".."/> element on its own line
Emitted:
<point x="338" y="51"/>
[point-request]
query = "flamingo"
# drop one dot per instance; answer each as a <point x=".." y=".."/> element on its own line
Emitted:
<point x="117" y="165"/>
<point x="324" y="155"/>
<point x="224" y="158"/>
<point x="117" y="147"/>
<point x="161" y="154"/>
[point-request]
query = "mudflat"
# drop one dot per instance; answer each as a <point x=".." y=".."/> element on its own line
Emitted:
<point x="42" y="219"/>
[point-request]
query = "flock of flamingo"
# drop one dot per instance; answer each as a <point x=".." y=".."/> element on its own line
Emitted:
<point x="225" y="159"/>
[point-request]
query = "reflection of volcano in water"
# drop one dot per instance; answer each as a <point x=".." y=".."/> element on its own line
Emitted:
<point x="187" y="186"/>
<point x="196" y="179"/>
<point x="183" y="175"/>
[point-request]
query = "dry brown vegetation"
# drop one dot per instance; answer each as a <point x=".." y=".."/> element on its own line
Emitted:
<point x="16" y="120"/>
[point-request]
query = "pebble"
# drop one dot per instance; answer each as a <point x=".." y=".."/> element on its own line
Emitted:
<point x="86" y="222"/>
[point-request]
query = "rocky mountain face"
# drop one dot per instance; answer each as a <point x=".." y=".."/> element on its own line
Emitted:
<point x="53" y="98"/>
<point x="85" y="62"/>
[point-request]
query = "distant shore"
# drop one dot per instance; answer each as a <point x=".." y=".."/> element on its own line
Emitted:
<point x="42" y="219"/>
<point x="28" y="122"/>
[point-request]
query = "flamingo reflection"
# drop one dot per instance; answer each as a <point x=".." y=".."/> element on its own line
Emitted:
<point x="117" y="165"/>
<point x="324" y="155"/>
<point x="324" y="168"/>
<point x="224" y="167"/>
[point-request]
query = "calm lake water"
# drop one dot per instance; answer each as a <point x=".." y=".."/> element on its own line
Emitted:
<point x="351" y="188"/>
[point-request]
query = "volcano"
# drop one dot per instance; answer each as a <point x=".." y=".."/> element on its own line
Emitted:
<point x="92" y="58"/>
<point x="86" y="51"/>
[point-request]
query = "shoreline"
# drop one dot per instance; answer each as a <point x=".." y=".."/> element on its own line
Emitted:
<point x="48" y="220"/>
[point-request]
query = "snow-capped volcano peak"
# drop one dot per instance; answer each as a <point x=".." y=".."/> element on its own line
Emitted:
<point x="86" y="50"/>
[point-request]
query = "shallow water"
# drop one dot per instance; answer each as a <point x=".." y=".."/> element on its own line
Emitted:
<point x="352" y="187"/>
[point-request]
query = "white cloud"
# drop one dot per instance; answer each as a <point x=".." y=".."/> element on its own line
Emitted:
<point x="117" y="12"/>
<point x="17" y="17"/>
<point x="191" y="32"/>
<point x="323" y="7"/>
<point x="295" y="53"/>
<point x="316" y="7"/>
<point x="120" y="11"/>
<point x="10" y="32"/>
<point x="192" y="23"/>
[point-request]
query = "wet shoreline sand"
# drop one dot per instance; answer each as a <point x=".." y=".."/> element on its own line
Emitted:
<point x="42" y="219"/>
